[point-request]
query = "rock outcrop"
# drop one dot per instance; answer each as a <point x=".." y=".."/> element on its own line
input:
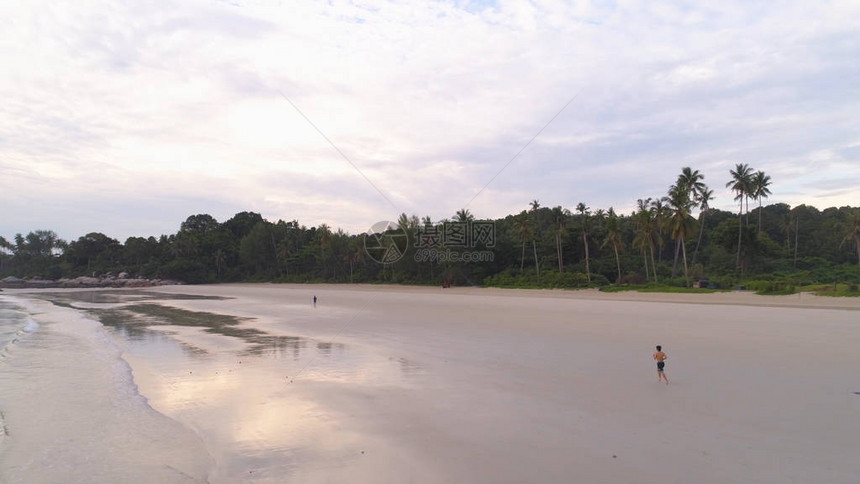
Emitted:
<point x="106" y="280"/>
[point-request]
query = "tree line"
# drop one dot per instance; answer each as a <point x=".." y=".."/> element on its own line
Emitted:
<point x="675" y="239"/>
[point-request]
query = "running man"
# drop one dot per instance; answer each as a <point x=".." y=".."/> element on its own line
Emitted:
<point x="661" y="357"/>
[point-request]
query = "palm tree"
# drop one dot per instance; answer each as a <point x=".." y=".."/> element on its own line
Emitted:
<point x="740" y="184"/>
<point x="644" y="239"/>
<point x="409" y="226"/>
<point x="535" y="204"/>
<point x="523" y="229"/>
<point x="680" y="222"/>
<point x="613" y="238"/>
<point x="661" y="211"/>
<point x="559" y="216"/>
<point x="759" y="185"/>
<point x="464" y="215"/>
<point x="583" y="212"/>
<point x="691" y="181"/>
<point x="854" y="234"/>
<point x="6" y="248"/>
<point x="705" y="196"/>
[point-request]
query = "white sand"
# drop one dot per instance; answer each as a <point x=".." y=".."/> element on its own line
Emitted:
<point x="473" y="385"/>
<point x="548" y="386"/>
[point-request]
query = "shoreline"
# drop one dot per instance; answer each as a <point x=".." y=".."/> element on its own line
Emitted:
<point x="734" y="298"/>
<point x="801" y="300"/>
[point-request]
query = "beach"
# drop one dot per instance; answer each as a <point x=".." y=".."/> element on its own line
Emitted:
<point x="377" y="384"/>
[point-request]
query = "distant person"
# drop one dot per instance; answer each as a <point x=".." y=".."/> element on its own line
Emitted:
<point x="315" y="301"/>
<point x="661" y="357"/>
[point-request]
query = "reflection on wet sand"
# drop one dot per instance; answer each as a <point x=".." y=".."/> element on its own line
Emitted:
<point x="133" y="319"/>
<point x="234" y="384"/>
<point x="113" y="296"/>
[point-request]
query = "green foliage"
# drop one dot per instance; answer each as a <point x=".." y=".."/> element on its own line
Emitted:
<point x="184" y="270"/>
<point x="548" y="280"/>
<point x="771" y="288"/>
<point x="833" y="290"/>
<point x="781" y="249"/>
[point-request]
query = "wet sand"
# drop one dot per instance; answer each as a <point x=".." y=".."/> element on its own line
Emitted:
<point x="403" y="384"/>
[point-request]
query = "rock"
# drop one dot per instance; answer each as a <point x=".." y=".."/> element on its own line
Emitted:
<point x="84" y="281"/>
<point x="138" y="283"/>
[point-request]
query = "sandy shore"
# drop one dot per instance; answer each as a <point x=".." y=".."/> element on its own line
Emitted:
<point x="734" y="298"/>
<point x="411" y="384"/>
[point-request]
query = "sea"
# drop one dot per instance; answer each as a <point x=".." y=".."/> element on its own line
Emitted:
<point x="70" y="410"/>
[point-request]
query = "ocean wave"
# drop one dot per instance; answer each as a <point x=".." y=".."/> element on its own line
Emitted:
<point x="4" y="431"/>
<point x="15" y="323"/>
<point x="31" y="326"/>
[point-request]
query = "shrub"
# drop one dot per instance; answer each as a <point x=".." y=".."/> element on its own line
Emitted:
<point x="548" y="280"/>
<point x="773" y="288"/>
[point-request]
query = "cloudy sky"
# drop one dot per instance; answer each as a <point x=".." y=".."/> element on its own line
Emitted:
<point x="127" y="117"/>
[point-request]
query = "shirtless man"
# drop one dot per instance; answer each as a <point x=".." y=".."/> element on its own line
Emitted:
<point x="660" y="357"/>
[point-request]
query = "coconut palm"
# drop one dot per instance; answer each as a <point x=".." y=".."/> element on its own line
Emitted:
<point x="759" y="190"/>
<point x="740" y="184"/>
<point x="559" y="216"/>
<point x="464" y="215"/>
<point x="661" y="211"/>
<point x="523" y="229"/>
<point x="583" y="212"/>
<point x="681" y="222"/>
<point x="409" y="226"/>
<point x="691" y="181"/>
<point x="535" y="204"/>
<point x="705" y="197"/>
<point x="613" y="238"/>
<point x="644" y="239"/>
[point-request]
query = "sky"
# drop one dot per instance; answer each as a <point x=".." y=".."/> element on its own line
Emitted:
<point x="126" y="117"/>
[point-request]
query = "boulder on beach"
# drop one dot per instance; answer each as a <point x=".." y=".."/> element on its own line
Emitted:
<point x="108" y="280"/>
<point x="137" y="283"/>
<point x="84" y="281"/>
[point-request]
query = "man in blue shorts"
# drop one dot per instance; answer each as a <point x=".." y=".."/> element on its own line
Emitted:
<point x="661" y="357"/>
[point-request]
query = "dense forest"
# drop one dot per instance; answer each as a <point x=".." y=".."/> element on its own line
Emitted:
<point x="675" y="239"/>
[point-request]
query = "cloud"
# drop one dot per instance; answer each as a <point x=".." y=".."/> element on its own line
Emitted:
<point x="130" y="117"/>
